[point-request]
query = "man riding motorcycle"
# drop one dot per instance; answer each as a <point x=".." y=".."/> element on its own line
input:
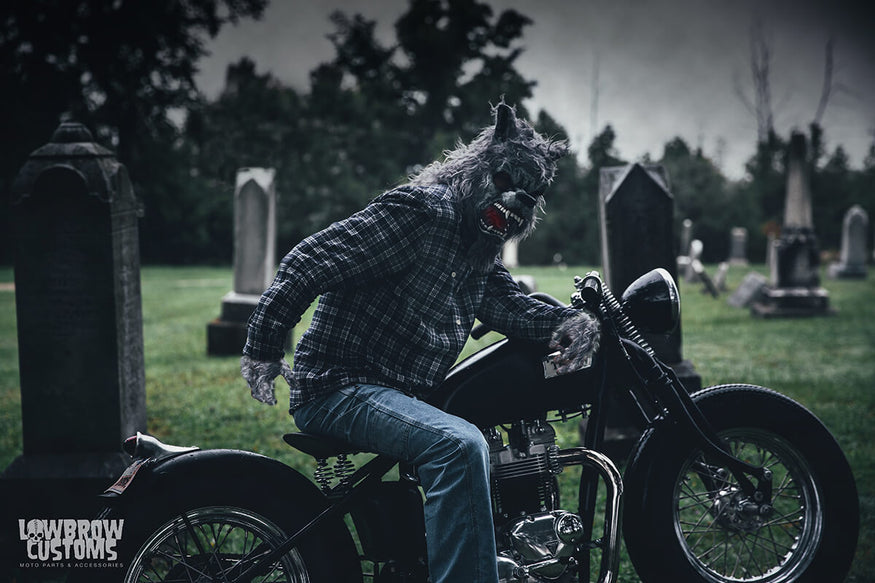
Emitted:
<point x="401" y="283"/>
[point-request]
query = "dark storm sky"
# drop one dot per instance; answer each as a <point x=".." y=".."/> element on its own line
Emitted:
<point x="665" y="67"/>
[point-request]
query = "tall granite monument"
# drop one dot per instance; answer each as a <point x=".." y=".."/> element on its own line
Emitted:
<point x="794" y="287"/>
<point x="254" y="259"/>
<point x="80" y="327"/>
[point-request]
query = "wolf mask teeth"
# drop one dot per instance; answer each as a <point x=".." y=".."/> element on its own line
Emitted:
<point x="498" y="220"/>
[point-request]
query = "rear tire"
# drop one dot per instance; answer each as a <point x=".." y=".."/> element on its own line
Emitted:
<point x="219" y="530"/>
<point x="688" y="521"/>
<point x="216" y="540"/>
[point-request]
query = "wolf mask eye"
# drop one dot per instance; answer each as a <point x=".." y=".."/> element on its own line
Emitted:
<point x="502" y="181"/>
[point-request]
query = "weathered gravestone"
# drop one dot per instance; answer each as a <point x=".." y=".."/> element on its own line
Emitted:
<point x="794" y="288"/>
<point x="738" y="246"/>
<point x="852" y="261"/>
<point x="751" y="289"/>
<point x="694" y="266"/>
<point x="79" y="315"/>
<point x="636" y="212"/>
<point x="683" y="261"/>
<point x="686" y="236"/>
<point x="720" y="277"/>
<point x="695" y="270"/>
<point x="510" y="254"/>
<point x="254" y="259"/>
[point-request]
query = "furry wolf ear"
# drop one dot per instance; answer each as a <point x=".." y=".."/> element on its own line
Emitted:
<point x="557" y="150"/>
<point x="505" y="123"/>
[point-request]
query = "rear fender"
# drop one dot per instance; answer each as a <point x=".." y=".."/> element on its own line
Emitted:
<point x="214" y="470"/>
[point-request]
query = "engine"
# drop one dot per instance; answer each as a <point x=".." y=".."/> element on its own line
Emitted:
<point x="536" y="539"/>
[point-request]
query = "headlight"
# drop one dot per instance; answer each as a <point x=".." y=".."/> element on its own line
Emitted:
<point x="652" y="302"/>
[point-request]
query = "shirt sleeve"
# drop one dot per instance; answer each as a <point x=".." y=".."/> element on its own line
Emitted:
<point x="378" y="241"/>
<point x="507" y="310"/>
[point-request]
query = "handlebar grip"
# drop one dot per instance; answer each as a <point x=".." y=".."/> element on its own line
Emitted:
<point x="479" y="331"/>
<point x="590" y="289"/>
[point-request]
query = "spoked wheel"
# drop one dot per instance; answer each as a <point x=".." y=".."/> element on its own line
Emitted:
<point x="214" y="544"/>
<point x="687" y="519"/>
<point x="728" y="537"/>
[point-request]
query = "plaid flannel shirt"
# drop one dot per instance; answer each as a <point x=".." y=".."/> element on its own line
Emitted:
<point x="398" y="299"/>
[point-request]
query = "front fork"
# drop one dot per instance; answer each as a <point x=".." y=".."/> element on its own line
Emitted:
<point x="662" y="382"/>
<point x="674" y="400"/>
<point x="715" y="452"/>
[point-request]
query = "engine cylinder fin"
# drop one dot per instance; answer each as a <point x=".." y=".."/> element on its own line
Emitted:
<point x="520" y="471"/>
<point x="509" y="474"/>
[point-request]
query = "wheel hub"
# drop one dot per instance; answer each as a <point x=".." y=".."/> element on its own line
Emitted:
<point x="736" y="512"/>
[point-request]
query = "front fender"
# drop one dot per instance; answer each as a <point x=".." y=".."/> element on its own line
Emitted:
<point x="212" y="470"/>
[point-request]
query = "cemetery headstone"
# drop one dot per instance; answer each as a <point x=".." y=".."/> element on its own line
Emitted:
<point x="683" y="261"/>
<point x="720" y="277"/>
<point x="79" y="317"/>
<point x="772" y="258"/>
<point x="795" y="279"/>
<point x="696" y="270"/>
<point x="852" y="261"/>
<point x="752" y="287"/>
<point x="254" y="259"/>
<point x="694" y="265"/>
<point x="738" y="246"/>
<point x="510" y="255"/>
<point x="636" y="212"/>
<point x="686" y="236"/>
<point x="636" y="219"/>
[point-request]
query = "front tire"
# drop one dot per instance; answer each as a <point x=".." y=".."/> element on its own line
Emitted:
<point x="687" y="520"/>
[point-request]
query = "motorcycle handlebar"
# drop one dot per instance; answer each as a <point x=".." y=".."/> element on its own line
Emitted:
<point x="480" y="330"/>
<point x="589" y="290"/>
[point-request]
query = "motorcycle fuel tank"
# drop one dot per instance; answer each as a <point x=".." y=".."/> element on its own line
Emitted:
<point x="508" y="381"/>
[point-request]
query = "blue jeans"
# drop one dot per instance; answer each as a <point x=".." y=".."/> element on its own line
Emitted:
<point x="452" y="460"/>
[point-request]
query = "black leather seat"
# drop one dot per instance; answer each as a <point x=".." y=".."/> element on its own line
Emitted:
<point x="318" y="446"/>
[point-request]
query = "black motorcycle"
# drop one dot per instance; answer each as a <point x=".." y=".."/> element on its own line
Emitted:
<point x="732" y="483"/>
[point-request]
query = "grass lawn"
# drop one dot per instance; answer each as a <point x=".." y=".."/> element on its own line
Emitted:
<point x="828" y="364"/>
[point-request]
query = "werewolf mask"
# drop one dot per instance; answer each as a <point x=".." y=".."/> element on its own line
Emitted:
<point x="500" y="179"/>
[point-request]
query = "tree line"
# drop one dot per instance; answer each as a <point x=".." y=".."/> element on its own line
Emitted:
<point x="369" y="117"/>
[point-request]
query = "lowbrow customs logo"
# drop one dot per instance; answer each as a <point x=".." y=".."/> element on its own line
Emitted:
<point x="68" y="539"/>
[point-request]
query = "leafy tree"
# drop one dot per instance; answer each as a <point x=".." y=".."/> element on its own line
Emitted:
<point x="701" y="194"/>
<point x="119" y="67"/>
<point x="452" y="57"/>
<point x="601" y="153"/>
<point x="371" y="116"/>
<point x="255" y="122"/>
<point x="832" y="194"/>
<point x="442" y="40"/>
<point x="571" y="226"/>
<point x="569" y="229"/>
<point x="763" y="192"/>
<point x="864" y="186"/>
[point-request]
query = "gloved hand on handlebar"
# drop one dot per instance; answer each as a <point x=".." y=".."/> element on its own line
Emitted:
<point x="577" y="340"/>
<point x="260" y="375"/>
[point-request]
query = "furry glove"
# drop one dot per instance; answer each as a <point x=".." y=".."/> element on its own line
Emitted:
<point x="260" y="375"/>
<point x="577" y="340"/>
